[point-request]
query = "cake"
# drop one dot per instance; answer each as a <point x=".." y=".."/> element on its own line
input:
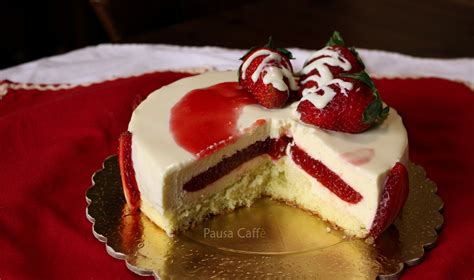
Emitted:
<point x="211" y="143"/>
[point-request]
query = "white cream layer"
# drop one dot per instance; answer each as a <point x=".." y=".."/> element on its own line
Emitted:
<point x="162" y="166"/>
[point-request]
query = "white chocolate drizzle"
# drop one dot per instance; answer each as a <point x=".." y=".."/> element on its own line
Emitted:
<point x="325" y="78"/>
<point x="273" y="74"/>
<point x="320" y="101"/>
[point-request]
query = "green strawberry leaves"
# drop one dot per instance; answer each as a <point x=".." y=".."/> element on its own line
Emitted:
<point x="335" y="40"/>
<point x="356" y="54"/>
<point x="248" y="52"/>
<point x="375" y="112"/>
<point x="269" y="45"/>
<point x="283" y="51"/>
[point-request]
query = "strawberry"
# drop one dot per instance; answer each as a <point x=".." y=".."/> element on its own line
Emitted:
<point x="348" y="104"/>
<point x="127" y="173"/>
<point x="277" y="147"/>
<point x="329" y="62"/>
<point x="267" y="74"/>
<point x="325" y="176"/>
<point x="393" y="198"/>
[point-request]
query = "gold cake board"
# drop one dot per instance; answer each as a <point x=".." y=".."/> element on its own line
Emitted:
<point x="268" y="240"/>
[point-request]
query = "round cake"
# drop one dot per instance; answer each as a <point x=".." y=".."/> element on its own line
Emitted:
<point x="207" y="144"/>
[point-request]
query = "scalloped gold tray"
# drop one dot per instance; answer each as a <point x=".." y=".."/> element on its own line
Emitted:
<point x="267" y="240"/>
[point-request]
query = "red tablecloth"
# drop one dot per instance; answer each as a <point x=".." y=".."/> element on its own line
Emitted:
<point x="52" y="141"/>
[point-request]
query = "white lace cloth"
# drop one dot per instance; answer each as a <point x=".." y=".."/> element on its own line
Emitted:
<point x="108" y="61"/>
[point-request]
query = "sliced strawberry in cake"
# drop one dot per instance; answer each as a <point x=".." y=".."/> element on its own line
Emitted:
<point x="127" y="171"/>
<point x="393" y="198"/>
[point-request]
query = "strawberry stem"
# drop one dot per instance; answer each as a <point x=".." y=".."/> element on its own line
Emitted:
<point x="335" y="40"/>
<point x="269" y="45"/>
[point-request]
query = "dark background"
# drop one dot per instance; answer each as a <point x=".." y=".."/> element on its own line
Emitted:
<point x="428" y="28"/>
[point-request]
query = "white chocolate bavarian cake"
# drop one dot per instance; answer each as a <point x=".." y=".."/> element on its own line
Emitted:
<point x="320" y="139"/>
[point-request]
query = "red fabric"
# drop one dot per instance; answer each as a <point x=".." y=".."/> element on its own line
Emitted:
<point x="52" y="141"/>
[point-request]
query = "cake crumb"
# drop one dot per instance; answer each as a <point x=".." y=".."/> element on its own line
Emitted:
<point x="369" y="240"/>
<point x="328" y="229"/>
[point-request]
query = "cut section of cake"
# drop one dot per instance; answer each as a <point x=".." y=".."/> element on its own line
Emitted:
<point x="206" y="144"/>
<point x="181" y="184"/>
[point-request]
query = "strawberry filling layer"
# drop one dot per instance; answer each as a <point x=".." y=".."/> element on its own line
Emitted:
<point x="274" y="147"/>
<point x="325" y="176"/>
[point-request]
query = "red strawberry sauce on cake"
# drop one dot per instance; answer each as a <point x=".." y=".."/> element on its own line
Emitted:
<point x="207" y="116"/>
